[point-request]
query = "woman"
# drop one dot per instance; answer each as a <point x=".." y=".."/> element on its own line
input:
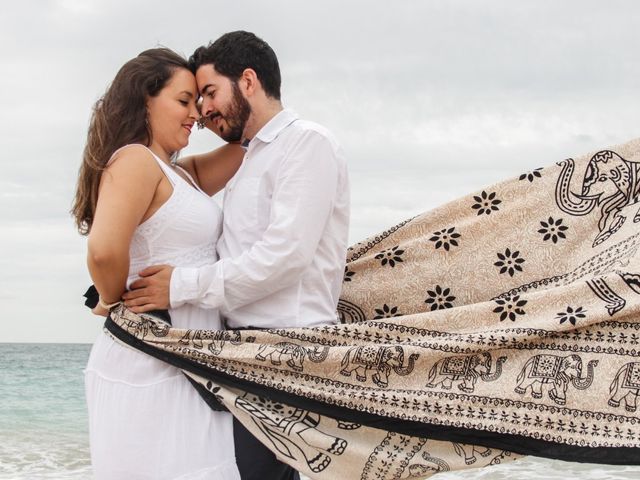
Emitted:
<point x="139" y="208"/>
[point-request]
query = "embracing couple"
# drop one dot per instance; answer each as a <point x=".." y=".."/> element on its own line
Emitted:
<point x="272" y="258"/>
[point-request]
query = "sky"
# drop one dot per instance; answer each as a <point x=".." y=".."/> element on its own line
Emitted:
<point x="431" y="100"/>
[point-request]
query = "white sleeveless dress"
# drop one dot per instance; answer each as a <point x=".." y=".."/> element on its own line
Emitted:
<point x="146" y="421"/>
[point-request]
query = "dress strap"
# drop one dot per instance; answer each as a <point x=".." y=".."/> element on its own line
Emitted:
<point x="113" y="155"/>
<point x="193" y="182"/>
<point x="168" y="172"/>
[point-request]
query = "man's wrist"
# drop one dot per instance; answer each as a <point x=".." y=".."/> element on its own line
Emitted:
<point x="183" y="286"/>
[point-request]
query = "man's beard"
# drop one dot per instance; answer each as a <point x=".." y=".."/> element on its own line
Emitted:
<point x="236" y="117"/>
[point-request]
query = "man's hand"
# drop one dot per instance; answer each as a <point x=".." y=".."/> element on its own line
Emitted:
<point x="151" y="291"/>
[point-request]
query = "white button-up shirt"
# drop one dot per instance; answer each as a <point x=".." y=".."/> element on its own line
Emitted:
<point x="284" y="238"/>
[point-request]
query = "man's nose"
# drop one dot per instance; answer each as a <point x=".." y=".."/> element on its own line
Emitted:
<point x="207" y="107"/>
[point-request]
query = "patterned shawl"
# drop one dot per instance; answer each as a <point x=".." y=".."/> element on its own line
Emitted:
<point x="502" y="324"/>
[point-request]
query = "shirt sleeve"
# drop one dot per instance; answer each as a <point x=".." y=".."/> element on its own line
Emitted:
<point x="303" y="198"/>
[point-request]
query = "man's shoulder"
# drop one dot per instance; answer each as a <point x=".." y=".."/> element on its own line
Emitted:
<point x="305" y="125"/>
<point x="302" y="127"/>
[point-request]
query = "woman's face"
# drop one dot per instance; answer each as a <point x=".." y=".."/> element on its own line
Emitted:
<point x="172" y="113"/>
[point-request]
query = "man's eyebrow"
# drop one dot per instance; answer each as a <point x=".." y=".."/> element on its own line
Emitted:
<point x="205" y="88"/>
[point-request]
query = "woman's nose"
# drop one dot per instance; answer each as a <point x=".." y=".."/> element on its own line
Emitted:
<point x="194" y="112"/>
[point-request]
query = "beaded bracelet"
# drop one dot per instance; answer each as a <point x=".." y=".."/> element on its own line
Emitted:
<point x="107" y="306"/>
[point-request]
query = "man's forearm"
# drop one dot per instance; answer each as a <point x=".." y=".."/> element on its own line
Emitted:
<point x="203" y="286"/>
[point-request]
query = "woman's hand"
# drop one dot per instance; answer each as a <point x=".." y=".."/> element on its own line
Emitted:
<point x="100" y="311"/>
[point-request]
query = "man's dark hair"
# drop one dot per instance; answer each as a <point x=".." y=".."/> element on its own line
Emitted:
<point x="234" y="52"/>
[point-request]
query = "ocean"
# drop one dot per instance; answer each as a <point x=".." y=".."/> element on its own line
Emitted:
<point x="44" y="432"/>
<point x="43" y="417"/>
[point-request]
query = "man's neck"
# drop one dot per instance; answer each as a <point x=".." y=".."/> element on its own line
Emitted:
<point x="260" y="117"/>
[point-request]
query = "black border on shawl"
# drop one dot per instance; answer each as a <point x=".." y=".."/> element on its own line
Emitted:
<point x="514" y="443"/>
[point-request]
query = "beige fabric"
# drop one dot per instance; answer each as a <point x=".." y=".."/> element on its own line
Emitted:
<point x="508" y="318"/>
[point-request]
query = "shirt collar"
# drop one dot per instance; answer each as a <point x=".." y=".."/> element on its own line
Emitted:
<point x="273" y="127"/>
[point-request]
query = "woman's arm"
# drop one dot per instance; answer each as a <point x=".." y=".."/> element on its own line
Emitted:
<point x="127" y="190"/>
<point x="213" y="170"/>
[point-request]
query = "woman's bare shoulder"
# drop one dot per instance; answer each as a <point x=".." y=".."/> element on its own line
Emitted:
<point x="134" y="160"/>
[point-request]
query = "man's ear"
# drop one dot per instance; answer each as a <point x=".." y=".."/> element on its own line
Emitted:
<point x="249" y="82"/>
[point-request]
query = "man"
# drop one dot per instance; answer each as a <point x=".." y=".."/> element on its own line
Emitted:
<point x="286" y="213"/>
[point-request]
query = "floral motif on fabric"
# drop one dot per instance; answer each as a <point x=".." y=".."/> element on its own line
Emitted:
<point x="439" y="298"/>
<point x="509" y="262"/>
<point x="391" y="256"/>
<point x="445" y="238"/>
<point x="510" y="308"/>
<point x="553" y="230"/>
<point x="486" y="203"/>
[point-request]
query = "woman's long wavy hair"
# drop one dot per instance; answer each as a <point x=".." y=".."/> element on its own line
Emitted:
<point x="120" y="118"/>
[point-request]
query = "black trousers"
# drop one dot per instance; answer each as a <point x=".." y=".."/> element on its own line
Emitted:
<point x="255" y="461"/>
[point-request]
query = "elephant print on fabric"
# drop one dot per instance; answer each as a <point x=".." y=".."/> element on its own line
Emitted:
<point x="467" y="368"/>
<point x="610" y="182"/>
<point x="294" y="353"/>
<point x="294" y="432"/>
<point x="614" y="302"/>
<point x="426" y="466"/>
<point x="380" y="359"/>
<point x="402" y="457"/>
<point x="557" y="371"/>
<point x="348" y="312"/>
<point x="626" y="385"/>
<point x="215" y="339"/>
<point x="468" y="452"/>
<point x="604" y="292"/>
<point x="147" y="325"/>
